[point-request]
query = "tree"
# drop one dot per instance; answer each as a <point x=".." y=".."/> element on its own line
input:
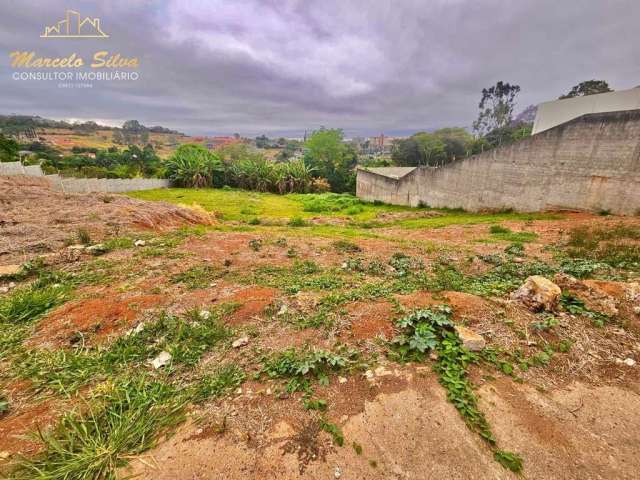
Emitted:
<point x="528" y="115"/>
<point x="133" y="126"/>
<point x="331" y="158"/>
<point x="8" y="149"/>
<point x="496" y="107"/>
<point x="262" y="141"/>
<point x="590" y="87"/>
<point x="117" y="137"/>
<point x="194" y="166"/>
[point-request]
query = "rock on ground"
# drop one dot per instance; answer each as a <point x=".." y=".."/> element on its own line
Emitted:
<point x="538" y="293"/>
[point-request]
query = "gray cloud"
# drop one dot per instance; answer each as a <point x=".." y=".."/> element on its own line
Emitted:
<point x="277" y="66"/>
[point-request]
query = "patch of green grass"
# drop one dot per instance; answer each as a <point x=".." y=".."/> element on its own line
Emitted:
<point x="241" y="205"/>
<point x="186" y="338"/>
<point x="617" y="246"/>
<point x="123" y="419"/>
<point x="26" y="304"/>
<point x="345" y="246"/>
<point x="503" y="233"/>
<point x="83" y="236"/>
<point x="297" y="222"/>
<point x="222" y="381"/>
<point x="199" y="276"/>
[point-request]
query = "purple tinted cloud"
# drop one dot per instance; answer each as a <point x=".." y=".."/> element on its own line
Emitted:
<point x="284" y="66"/>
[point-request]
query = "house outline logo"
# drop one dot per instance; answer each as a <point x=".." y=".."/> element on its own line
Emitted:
<point x="74" y="26"/>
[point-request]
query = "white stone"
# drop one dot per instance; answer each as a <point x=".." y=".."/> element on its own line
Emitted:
<point x="342" y="379"/>
<point x="382" y="372"/>
<point x="139" y="243"/>
<point x="369" y="374"/>
<point x="283" y="309"/>
<point x="163" y="358"/>
<point x="629" y="362"/>
<point x="76" y="247"/>
<point x="337" y="473"/>
<point x="240" y="342"/>
<point x="204" y="314"/>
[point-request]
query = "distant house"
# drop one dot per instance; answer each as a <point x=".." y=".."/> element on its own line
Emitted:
<point x="554" y="113"/>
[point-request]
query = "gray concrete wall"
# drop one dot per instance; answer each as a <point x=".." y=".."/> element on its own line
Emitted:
<point x="112" y="185"/>
<point x="554" y="113"/>
<point x="84" y="185"/>
<point x="590" y="163"/>
<point x="11" y="168"/>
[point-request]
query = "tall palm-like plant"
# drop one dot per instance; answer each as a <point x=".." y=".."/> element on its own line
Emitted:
<point x="194" y="166"/>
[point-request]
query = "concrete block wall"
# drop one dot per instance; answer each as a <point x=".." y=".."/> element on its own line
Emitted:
<point x="12" y="168"/>
<point x="589" y="163"/>
<point x="112" y="185"/>
<point x="84" y="185"/>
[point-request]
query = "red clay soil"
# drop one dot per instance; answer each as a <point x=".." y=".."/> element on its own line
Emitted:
<point x="97" y="317"/>
<point x="15" y="427"/>
<point x="253" y="301"/>
<point x="371" y="319"/>
<point x="466" y="307"/>
<point x="34" y="219"/>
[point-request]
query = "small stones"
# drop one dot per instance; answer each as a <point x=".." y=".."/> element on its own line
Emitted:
<point x="337" y="473"/>
<point x="97" y="249"/>
<point x="381" y="371"/>
<point x="369" y="374"/>
<point x="470" y="339"/>
<point x="342" y="379"/>
<point x="163" y="358"/>
<point x="240" y="342"/>
<point x="629" y="362"/>
<point x="204" y="314"/>
<point x="284" y="308"/>
<point x="139" y="243"/>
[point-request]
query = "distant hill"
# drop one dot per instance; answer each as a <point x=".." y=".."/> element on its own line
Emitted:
<point x="19" y="124"/>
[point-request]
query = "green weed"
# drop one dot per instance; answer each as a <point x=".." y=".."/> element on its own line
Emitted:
<point x="509" y="460"/>
<point x="199" y="276"/>
<point x="122" y="420"/>
<point x="299" y="366"/>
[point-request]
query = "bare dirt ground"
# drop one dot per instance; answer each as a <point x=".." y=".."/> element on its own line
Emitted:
<point x="37" y="220"/>
<point x="574" y="415"/>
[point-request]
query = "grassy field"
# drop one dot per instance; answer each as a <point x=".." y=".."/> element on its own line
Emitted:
<point x="296" y="308"/>
<point x="245" y="206"/>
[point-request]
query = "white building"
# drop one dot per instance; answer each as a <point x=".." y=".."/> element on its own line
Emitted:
<point x="556" y="112"/>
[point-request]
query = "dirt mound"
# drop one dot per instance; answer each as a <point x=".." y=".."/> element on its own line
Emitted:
<point x="93" y="318"/>
<point x="35" y="219"/>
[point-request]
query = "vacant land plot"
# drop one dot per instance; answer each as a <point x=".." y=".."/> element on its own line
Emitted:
<point x="314" y="336"/>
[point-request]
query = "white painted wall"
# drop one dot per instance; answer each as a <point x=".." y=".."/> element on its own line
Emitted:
<point x="556" y="112"/>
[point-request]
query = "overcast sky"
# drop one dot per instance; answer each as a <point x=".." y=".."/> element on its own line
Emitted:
<point x="280" y="67"/>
